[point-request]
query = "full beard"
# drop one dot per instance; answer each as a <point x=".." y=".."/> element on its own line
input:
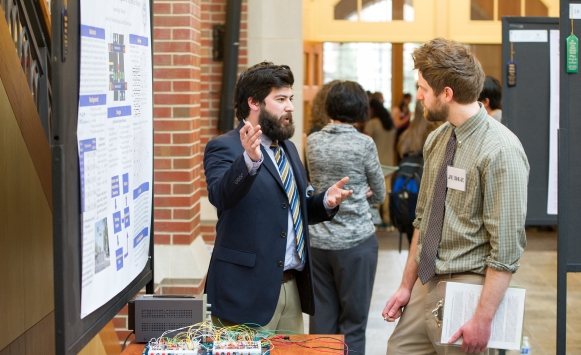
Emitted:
<point x="276" y="128"/>
<point x="438" y="114"/>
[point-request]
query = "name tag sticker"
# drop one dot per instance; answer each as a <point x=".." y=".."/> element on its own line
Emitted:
<point x="456" y="178"/>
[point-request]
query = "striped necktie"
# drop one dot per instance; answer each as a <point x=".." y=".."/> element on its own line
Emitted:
<point x="290" y="187"/>
<point x="427" y="267"/>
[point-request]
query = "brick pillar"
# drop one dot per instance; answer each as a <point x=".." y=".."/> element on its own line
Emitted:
<point x="178" y="160"/>
<point x="214" y="13"/>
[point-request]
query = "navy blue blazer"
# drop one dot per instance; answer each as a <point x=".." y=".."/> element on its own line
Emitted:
<point x="245" y="273"/>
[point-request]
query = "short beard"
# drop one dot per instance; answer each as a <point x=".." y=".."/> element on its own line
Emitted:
<point x="438" y="114"/>
<point x="274" y="127"/>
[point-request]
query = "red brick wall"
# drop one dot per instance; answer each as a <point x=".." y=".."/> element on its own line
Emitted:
<point x="176" y="72"/>
<point x="187" y="85"/>
<point x="186" y="104"/>
<point x="214" y="12"/>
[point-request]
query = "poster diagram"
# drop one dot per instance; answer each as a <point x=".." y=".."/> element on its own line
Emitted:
<point x="115" y="138"/>
<point x="117" y="82"/>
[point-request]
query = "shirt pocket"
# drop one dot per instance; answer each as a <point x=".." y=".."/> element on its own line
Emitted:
<point x="463" y="203"/>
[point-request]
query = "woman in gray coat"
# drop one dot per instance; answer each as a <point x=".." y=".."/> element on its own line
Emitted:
<point x="344" y="250"/>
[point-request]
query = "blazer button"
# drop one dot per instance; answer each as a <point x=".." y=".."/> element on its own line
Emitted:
<point x="284" y="205"/>
<point x="283" y="234"/>
<point x="280" y="263"/>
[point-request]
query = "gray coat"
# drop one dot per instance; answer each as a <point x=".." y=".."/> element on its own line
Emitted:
<point x="336" y="151"/>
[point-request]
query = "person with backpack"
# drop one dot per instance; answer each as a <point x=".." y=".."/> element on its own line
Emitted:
<point x="405" y="182"/>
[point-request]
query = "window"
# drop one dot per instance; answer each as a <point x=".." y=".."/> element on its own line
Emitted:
<point x="483" y="10"/>
<point x="369" y="64"/>
<point x="410" y="76"/>
<point x="374" y="10"/>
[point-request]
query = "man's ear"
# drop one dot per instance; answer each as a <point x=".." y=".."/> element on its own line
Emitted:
<point x="254" y="105"/>
<point x="486" y="102"/>
<point x="448" y="94"/>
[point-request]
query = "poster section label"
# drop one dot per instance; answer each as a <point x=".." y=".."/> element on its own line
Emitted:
<point x="115" y="139"/>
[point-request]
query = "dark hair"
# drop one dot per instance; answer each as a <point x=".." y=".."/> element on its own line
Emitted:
<point x="491" y="91"/>
<point x="347" y="103"/>
<point x="257" y="82"/>
<point x="448" y="63"/>
<point x="381" y="112"/>
<point x="402" y="105"/>
<point x="319" y="117"/>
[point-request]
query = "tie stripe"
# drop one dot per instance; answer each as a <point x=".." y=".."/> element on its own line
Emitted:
<point x="290" y="188"/>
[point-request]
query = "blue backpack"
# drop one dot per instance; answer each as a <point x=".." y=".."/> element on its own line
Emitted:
<point x="403" y="198"/>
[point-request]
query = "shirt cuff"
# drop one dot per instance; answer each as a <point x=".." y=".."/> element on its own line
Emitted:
<point x="252" y="166"/>
<point x="330" y="210"/>
<point x="498" y="266"/>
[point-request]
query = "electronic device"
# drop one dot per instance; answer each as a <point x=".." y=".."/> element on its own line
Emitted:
<point x="150" y="316"/>
<point x="196" y="348"/>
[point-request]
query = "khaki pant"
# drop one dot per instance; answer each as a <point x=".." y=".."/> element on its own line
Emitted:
<point x="414" y="334"/>
<point x="288" y="316"/>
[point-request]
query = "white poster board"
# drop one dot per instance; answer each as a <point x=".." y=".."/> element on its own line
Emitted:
<point x="115" y="137"/>
<point x="552" y="198"/>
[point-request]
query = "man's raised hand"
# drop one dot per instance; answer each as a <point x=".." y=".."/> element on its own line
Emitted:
<point x="250" y="138"/>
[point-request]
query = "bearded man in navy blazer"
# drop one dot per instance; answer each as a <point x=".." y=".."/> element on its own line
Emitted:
<point x="260" y="271"/>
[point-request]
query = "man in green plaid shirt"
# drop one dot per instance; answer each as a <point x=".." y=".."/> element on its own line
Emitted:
<point x="471" y="208"/>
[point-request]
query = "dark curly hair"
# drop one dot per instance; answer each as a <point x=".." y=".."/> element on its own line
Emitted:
<point x="347" y="103"/>
<point x="257" y="82"/>
<point x="319" y="117"/>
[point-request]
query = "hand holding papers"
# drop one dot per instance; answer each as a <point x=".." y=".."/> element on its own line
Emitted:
<point x="458" y="305"/>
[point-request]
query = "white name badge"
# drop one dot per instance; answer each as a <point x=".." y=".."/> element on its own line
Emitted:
<point x="456" y="178"/>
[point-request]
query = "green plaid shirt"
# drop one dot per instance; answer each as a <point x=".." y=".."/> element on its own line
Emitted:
<point x="483" y="226"/>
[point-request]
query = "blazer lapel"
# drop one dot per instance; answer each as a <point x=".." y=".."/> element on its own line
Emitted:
<point x="269" y="165"/>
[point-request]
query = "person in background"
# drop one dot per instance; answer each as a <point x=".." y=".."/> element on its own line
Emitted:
<point x="410" y="151"/>
<point x="377" y="95"/>
<point x="491" y="97"/>
<point x="345" y="249"/>
<point x="411" y="142"/>
<point x="468" y="228"/>
<point x="381" y="129"/>
<point x="402" y="114"/>
<point x="319" y="117"/>
<point x="260" y="271"/>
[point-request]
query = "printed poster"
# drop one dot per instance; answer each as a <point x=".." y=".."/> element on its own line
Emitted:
<point x="115" y="138"/>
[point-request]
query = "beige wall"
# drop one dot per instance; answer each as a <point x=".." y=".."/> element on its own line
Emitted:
<point x="432" y="18"/>
<point x="275" y="33"/>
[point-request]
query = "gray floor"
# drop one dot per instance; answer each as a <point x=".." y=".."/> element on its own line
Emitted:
<point x="538" y="274"/>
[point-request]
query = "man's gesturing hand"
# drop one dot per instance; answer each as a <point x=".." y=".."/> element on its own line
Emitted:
<point x="249" y="136"/>
<point x="336" y="194"/>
